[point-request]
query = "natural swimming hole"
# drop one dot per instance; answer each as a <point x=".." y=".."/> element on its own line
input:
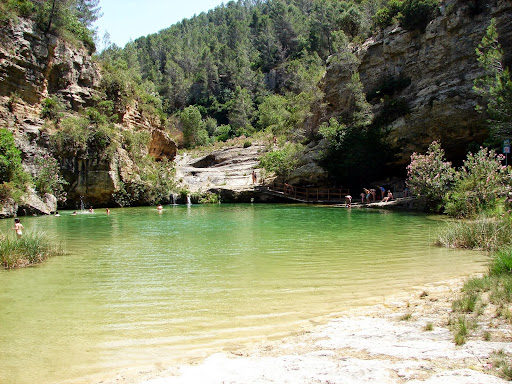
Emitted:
<point x="138" y="287"/>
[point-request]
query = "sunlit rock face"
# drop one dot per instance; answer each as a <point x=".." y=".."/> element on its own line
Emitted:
<point x="425" y="78"/>
<point x="34" y="66"/>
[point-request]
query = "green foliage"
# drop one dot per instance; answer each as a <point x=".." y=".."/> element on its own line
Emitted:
<point x="50" y="108"/>
<point x="430" y="175"/>
<point x="194" y="133"/>
<point x="223" y="133"/>
<point x="10" y="157"/>
<point x="69" y="19"/>
<point x="478" y="184"/>
<point x="411" y="14"/>
<point x="73" y="137"/>
<point x="282" y="161"/>
<point x="28" y="250"/>
<point x="241" y="111"/>
<point x="466" y="304"/>
<point x="496" y="85"/>
<point x="12" y="9"/>
<point x="209" y="198"/>
<point x="356" y="150"/>
<point x="462" y="330"/>
<point x="13" y="179"/>
<point x="416" y="14"/>
<point x="48" y="179"/>
<point x="273" y="114"/>
<point x="389" y="14"/>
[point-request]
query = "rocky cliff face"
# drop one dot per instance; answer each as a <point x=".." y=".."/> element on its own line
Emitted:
<point x="424" y="80"/>
<point x="33" y="67"/>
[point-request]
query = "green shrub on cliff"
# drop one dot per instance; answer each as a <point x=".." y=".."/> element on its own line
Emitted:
<point x="10" y="156"/>
<point x="13" y="179"/>
<point x="410" y="14"/>
<point x="10" y="9"/>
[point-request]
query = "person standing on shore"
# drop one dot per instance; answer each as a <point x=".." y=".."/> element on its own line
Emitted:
<point x="18" y="227"/>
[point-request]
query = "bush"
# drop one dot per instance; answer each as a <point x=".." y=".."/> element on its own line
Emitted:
<point x="388" y="15"/>
<point x="73" y="136"/>
<point x="479" y="184"/>
<point x="209" y="198"/>
<point x="50" y="108"/>
<point x="282" y="161"/>
<point x="411" y="14"/>
<point x="430" y="175"/>
<point x="416" y="14"/>
<point x="223" y="133"/>
<point x="10" y="156"/>
<point x="48" y="179"/>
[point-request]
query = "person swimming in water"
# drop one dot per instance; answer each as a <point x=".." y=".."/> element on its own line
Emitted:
<point x="18" y="227"/>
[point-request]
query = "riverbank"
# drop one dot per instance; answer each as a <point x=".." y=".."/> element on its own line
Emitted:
<point x="405" y="339"/>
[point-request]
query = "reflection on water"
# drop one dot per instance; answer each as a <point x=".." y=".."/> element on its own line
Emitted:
<point x="139" y="287"/>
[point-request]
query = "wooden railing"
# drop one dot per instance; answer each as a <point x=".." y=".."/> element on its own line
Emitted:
<point x="310" y="194"/>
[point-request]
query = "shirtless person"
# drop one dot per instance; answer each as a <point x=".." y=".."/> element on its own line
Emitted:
<point x="18" y="227"/>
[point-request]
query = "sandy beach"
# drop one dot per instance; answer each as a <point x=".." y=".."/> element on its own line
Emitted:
<point x="385" y="343"/>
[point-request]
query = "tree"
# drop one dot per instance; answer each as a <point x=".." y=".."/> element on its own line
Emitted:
<point x="193" y="127"/>
<point x="88" y="11"/>
<point x="496" y="85"/>
<point x="74" y="16"/>
<point x="241" y="111"/>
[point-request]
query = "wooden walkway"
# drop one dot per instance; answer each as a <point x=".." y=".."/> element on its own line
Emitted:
<point x="307" y="195"/>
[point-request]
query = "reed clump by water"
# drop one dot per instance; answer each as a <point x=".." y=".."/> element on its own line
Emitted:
<point x="486" y="233"/>
<point x="31" y="249"/>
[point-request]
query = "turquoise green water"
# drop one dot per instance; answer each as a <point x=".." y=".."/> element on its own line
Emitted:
<point x="138" y="287"/>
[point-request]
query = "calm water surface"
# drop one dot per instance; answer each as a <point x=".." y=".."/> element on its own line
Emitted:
<point x="140" y="287"/>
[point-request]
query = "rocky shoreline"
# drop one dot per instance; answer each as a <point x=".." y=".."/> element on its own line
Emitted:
<point x="405" y="339"/>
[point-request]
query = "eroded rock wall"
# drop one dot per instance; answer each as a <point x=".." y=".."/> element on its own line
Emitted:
<point x="34" y="66"/>
<point x="439" y="66"/>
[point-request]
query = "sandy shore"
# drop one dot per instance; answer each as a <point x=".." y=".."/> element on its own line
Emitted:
<point x="385" y="343"/>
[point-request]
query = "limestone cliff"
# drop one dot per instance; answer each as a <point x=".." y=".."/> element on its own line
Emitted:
<point x="33" y="67"/>
<point x="429" y="76"/>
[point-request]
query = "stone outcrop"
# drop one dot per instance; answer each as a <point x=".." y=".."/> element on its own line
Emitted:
<point x="162" y="146"/>
<point x="34" y="65"/>
<point x="227" y="172"/>
<point x="433" y="73"/>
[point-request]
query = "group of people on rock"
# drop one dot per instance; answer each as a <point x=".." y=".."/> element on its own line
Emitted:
<point x="370" y="196"/>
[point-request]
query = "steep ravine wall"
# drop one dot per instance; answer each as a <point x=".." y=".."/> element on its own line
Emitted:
<point x="441" y="65"/>
<point x="34" y="66"/>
